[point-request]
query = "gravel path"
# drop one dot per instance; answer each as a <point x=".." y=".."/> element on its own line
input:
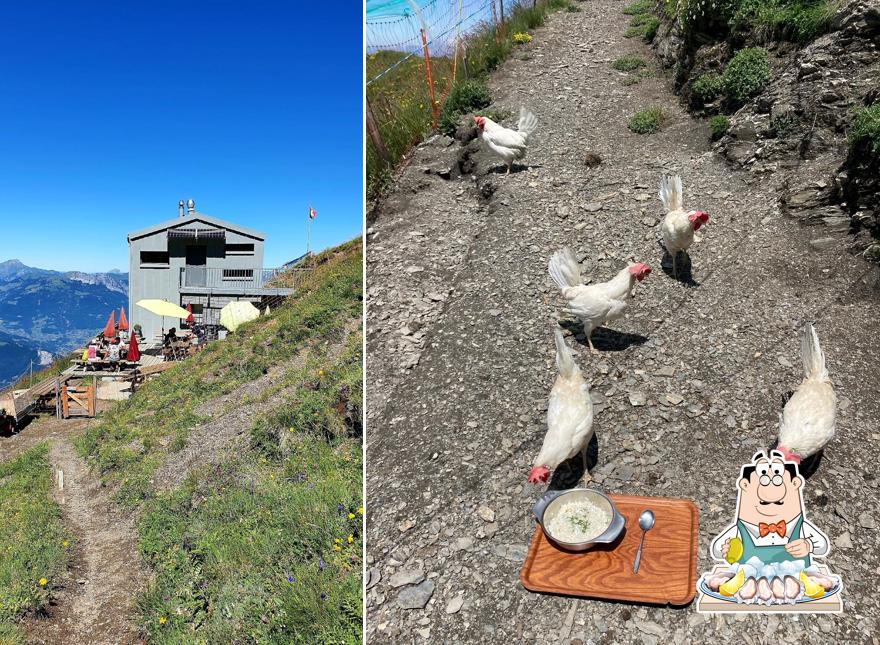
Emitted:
<point x="689" y="385"/>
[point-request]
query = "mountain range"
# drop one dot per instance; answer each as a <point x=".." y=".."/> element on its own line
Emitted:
<point x="45" y="313"/>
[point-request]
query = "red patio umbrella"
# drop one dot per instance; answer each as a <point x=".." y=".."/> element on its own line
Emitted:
<point x="110" y="327"/>
<point x="189" y="318"/>
<point x="134" y="354"/>
<point x="123" y="321"/>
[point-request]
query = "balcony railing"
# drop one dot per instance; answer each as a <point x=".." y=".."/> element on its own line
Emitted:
<point x="219" y="278"/>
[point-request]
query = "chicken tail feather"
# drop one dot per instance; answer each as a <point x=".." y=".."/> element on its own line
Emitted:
<point x="812" y="355"/>
<point x="671" y="193"/>
<point x="564" y="360"/>
<point x="564" y="269"/>
<point x="527" y="122"/>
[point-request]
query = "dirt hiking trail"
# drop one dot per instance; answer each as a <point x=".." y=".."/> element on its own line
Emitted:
<point x="686" y="388"/>
<point x="96" y="604"/>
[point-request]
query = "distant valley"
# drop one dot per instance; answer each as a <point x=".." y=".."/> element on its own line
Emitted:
<point x="45" y="313"/>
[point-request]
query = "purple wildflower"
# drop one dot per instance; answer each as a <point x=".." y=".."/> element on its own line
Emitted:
<point x="320" y="564"/>
<point x="323" y="596"/>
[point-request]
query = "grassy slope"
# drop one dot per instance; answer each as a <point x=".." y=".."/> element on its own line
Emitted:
<point x="267" y="547"/>
<point x="34" y="545"/>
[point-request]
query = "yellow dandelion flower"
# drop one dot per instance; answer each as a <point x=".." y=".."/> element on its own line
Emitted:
<point x="361" y="510"/>
<point x="66" y="543"/>
<point x="162" y="620"/>
<point x="336" y="547"/>
<point x="337" y="540"/>
<point x="43" y="582"/>
<point x="351" y="516"/>
<point x="350" y="538"/>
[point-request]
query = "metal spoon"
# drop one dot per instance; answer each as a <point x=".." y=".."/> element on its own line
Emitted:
<point x="646" y="522"/>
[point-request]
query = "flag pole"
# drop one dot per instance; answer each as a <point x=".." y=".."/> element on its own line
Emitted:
<point x="309" y="232"/>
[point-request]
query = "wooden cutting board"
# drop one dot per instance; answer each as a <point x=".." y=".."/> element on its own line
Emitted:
<point x="668" y="571"/>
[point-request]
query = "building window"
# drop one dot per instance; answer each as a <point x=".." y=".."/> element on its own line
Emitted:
<point x="154" y="258"/>
<point x="238" y="274"/>
<point x="239" y="249"/>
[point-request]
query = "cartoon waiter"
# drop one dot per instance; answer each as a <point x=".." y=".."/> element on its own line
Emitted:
<point x="770" y="522"/>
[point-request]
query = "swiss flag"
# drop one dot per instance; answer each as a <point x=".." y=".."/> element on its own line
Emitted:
<point x="312" y="213"/>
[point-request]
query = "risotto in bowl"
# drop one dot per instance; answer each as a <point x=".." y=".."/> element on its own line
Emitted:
<point x="577" y="519"/>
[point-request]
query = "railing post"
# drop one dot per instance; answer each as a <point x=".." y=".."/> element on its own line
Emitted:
<point x="435" y="116"/>
<point x="375" y="135"/>
<point x="495" y="20"/>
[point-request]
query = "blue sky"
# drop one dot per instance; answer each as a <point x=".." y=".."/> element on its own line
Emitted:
<point x="113" y="111"/>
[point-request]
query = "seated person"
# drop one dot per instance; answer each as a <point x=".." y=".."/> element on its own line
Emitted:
<point x="113" y="353"/>
<point x="170" y="337"/>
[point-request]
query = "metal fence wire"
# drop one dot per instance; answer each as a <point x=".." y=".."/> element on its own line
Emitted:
<point x="416" y="51"/>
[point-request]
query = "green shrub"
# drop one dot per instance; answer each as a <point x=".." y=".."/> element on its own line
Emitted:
<point x="784" y="124"/>
<point x="866" y="129"/>
<point x="628" y="63"/>
<point x="719" y="125"/>
<point x="746" y="74"/>
<point x="796" y="20"/>
<point x="708" y="87"/>
<point x="464" y="98"/>
<point x="647" y="121"/>
<point x="639" y="6"/>
<point x="643" y="26"/>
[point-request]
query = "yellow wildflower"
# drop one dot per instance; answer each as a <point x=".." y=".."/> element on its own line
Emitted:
<point x="350" y="538"/>
<point x="361" y="510"/>
<point x="43" y="582"/>
<point x="351" y="516"/>
<point x="162" y="620"/>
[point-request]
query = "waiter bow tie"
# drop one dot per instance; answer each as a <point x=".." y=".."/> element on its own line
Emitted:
<point x="765" y="529"/>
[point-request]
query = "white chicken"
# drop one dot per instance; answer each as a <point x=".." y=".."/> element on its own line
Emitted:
<point x="678" y="226"/>
<point x="569" y="417"/>
<point x="808" y="420"/>
<point x="594" y="304"/>
<point x="508" y="144"/>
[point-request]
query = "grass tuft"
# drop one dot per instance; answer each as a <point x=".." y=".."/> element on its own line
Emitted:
<point x="639" y="6"/>
<point x="865" y="131"/>
<point x="643" y="26"/>
<point x="629" y="63"/>
<point x="647" y="121"/>
<point x="719" y="125"/>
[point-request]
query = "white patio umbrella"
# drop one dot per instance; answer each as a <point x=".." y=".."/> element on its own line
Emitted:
<point x="163" y="308"/>
<point x="235" y="314"/>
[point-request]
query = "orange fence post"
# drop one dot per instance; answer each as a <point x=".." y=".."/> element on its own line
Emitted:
<point x="434" y="108"/>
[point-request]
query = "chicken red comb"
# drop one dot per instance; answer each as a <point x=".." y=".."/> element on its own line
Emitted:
<point x="480" y="121"/>
<point x="788" y="455"/>
<point x="640" y="270"/>
<point x="539" y="474"/>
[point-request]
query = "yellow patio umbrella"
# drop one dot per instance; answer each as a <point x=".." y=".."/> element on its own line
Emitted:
<point x="235" y="314"/>
<point x="163" y="308"/>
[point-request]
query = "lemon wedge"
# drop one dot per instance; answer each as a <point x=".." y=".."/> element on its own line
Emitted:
<point x="811" y="589"/>
<point x="732" y="586"/>
<point x="734" y="551"/>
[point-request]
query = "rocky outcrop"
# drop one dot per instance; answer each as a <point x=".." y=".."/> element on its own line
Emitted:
<point x="798" y="125"/>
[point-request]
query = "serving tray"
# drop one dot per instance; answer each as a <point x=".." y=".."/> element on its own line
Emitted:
<point x="668" y="571"/>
